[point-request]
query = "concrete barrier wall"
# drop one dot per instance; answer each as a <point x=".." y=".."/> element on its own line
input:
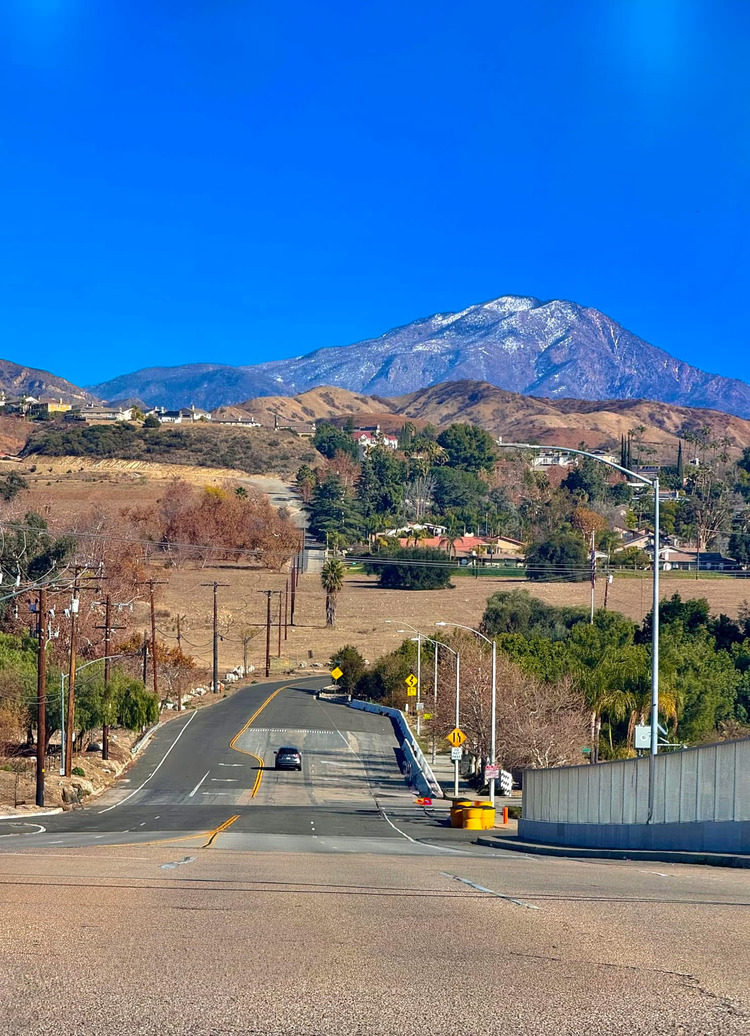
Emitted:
<point x="421" y="772"/>
<point x="701" y="801"/>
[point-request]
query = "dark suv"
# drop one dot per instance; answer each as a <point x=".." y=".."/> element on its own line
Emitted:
<point x="288" y="758"/>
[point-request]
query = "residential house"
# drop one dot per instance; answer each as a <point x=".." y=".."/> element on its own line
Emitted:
<point x="169" y="416"/>
<point x="367" y="439"/>
<point x="192" y="413"/>
<point x="48" y="408"/>
<point x="95" y="414"/>
<point x="472" y="549"/>
<point x="674" y="558"/>
<point x="18" y="404"/>
<point x="243" y="422"/>
<point x="411" y="527"/>
<point x="552" y="458"/>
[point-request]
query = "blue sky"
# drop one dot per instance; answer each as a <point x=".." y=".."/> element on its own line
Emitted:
<point x="193" y="180"/>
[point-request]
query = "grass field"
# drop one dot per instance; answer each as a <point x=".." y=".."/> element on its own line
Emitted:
<point x="76" y="486"/>
<point x="363" y="608"/>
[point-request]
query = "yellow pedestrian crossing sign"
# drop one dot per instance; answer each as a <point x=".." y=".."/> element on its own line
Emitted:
<point x="336" y="673"/>
<point x="411" y="680"/>
<point x="456" y="737"/>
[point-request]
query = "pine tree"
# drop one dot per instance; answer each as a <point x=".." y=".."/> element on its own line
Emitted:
<point x="680" y="463"/>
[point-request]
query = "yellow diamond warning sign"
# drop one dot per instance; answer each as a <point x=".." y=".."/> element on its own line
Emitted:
<point x="411" y="680"/>
<point x="456" y="737"/>
<point x="336" y="673"/>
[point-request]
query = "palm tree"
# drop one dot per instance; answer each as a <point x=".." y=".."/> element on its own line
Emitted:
<point x="449" y="541"/>
<point x="332" y="580"/>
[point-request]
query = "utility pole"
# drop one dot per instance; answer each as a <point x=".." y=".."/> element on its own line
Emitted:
<point x="293" y="581"/>
<point x="592" y="559"/>
<point x="179" y="632"/>
<point x="41" y="695"/>
<point x="607" y="585"/>
<point x="144" y="671"/>
<point x="215" y="677"/>
<point x="268" y="632"/>
<point x="108" y="629"/>
<point x="286" y="610"/>
<point x="70" y="712"/>
<point x="179" y="648"/>
<point x="268" y="626"/>
<point x="245" y="642"/>
<point x="151" y="583"/>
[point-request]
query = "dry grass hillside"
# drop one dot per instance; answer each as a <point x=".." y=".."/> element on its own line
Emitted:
<point x="567" y="421"/>
<point x="326" y="401"/>
<point x="515" y="417"/>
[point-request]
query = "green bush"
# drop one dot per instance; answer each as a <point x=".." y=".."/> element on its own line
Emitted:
<point x="78" y="771"/>
<point x="416" y="568"/>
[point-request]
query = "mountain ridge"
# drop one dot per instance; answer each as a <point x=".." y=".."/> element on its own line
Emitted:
<point x="515" y="417"/>
<point x="552" y="349"/>
<point x="17" y="379"/>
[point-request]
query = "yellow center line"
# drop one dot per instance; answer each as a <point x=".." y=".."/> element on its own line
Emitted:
<point x="238" y="735"/>
<point x="219" y="830"/>
<point x="210" y="835"/>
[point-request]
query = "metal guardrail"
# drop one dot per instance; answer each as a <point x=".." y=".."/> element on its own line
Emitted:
<point x="420" y="769"/>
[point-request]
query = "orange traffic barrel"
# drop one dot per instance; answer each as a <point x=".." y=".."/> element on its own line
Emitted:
<point x="488" y="816"/>
<point x="472" y="818"/>
<point x="457" y="811"/>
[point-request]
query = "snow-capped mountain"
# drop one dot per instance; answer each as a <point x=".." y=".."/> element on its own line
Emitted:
<point x="553" y="349"/>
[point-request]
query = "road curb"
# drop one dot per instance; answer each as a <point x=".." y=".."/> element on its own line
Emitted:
<point x="30" y="816"/>
<point x="632" y="855"/>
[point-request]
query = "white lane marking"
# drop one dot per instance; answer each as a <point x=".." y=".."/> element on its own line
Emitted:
<point x="330" y="762"/>
<point x="58" y="841"/>
<point x="217" y="791"/>
<point x="430" y="845"/>
<point x="182" y="731"/>
<point x="196" y="787"/>
<point x="224" y="780"/>
<point x="389" y="821"/>
<point x="230" y="764"/>
<point x="491" y="892"/>
<point x="13" y="834"/>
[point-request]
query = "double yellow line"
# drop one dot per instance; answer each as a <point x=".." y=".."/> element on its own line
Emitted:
<point x="209" y="835"/>
<point x="238" y="735"/>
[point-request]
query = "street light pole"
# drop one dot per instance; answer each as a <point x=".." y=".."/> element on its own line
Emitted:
<point x="419" y="679"/>
<point x="654" y="663"/>
<point x="439" y="644"/>
<point x="458" y="720"/>
<point x="493" y="706"/>
<point x="654" y="485"/>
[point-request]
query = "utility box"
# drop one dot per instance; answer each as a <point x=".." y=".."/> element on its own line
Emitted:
<point x="642" y="736"/>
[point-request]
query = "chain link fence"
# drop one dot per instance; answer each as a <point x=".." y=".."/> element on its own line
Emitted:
<point x="17" y="788"/>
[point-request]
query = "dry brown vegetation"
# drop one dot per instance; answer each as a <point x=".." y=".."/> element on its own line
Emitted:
<point x="515" y="417"/>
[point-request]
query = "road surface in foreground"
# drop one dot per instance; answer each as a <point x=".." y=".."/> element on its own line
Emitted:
<point x="210" y="895"/>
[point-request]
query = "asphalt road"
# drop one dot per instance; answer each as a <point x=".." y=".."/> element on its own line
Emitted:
<point x="214" y="768"/>
<point x="327" y="902"/>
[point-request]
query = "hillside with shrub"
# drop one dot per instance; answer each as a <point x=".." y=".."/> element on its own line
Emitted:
<point x="257" y="451"/>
